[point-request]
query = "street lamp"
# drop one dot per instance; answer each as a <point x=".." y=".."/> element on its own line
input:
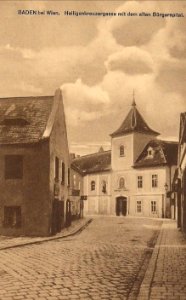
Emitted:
<point x="166" y="186"/>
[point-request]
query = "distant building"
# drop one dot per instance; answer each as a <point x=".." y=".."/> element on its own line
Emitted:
<point x="180" y="175"/>
<point x="34" y="165"/>
<point x="135" y="177"/>
<point x="76" y="193"/>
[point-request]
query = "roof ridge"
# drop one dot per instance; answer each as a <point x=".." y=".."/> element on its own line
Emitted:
<point x="168" y="142"/>
<point x="29" y="97"/>
<point x="91" y="154"/>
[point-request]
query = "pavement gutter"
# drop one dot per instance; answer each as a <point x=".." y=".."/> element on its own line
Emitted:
<point x="145" y="288"/>
<point x="72" y="232"/>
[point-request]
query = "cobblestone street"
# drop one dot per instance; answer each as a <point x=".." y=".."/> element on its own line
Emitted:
<point x="107" y="260"/>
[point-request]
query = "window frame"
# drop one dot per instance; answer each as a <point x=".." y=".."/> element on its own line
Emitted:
<point x="150" y="152"/>
<point x="140" y="181"/>
<point x="56" y="168"/>
<point x="121" y="151"/>
<point x="13" y="169"/>
<point x="74" y="180"/>
<point x="12" y="213"/>
<point x="153" y="206"/>
<point x="104" y="186"/>
<point x="139" y="205"/>
<point x="93" y="185"/>
<point x="154" y="180"/>
<point x="68" y="178"/>
<point x="62" y="172"/>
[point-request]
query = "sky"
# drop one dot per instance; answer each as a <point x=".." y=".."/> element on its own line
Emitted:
<point x="98" y="62"/>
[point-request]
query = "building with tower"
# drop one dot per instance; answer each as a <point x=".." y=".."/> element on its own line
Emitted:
<point x="135" y="177"/>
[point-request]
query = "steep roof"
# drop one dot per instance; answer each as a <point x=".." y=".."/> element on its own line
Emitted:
<point x="24" y="119"/>
<point x="133" y="122"/>
<point x="163" y="153"/>
<point x="93" y="163"/>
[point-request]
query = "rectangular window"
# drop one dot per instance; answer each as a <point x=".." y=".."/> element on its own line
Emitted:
<point x="74" y="181"/>
<point x="63" y="172"/>
<point x="68" y="176"/>
<point x="92" y="185"/>
<point x="13" y="167"/>
<point x="154" y="180"/>
<point x="153" y="207"/>
<point x="139" y="206"/>
<point x="140" y="182"/>
<point x="56" y="168"/>
<point x="12" y="216"/>
<point x="122" y="150"/>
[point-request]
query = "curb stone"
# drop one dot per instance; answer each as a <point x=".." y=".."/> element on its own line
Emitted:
<point x="144" y="292"/>
<point x="48" y="239"/>
<point x="134" y="292"/>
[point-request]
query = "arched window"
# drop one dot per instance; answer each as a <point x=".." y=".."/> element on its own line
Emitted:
<point x="121" y="183"/>
<point x="104" y="187"/>
<point x="92" y="185"/>
<point x="121" y="150"/>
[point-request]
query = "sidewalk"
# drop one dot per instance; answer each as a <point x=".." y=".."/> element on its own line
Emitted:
<point x="12" y="242"/>
<point x="165" y="277"/>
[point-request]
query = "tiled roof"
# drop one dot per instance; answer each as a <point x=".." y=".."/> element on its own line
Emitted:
<point x="163" y="153"/>
<point x="24" y="119"/>
<point x="93" y="163"/>
<point x="133" y="122"/>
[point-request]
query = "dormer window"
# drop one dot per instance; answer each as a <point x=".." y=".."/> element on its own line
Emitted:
<point x="150" y="152"/>
<point x="14" y="121"/>
<point x="121" y="151"/>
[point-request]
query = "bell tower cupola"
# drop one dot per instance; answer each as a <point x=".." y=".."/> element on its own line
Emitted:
<point x="130" y="138"/>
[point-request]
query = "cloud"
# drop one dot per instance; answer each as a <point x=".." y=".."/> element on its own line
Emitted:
<point x="83" y="93"/>
<point x="135" y="31"/>
<point x="84" y="103"/>
<point x="168" y="48"/>
<point x="131" y="60"/>
<point x="98" y="62"/>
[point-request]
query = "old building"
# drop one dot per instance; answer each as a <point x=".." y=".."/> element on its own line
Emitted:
<point x="180" y="175"/>
<point x="135" y="176"/>
<point x="76" y="192"/>
<point x="34" y="165"/>
<point x="96" y="171"/>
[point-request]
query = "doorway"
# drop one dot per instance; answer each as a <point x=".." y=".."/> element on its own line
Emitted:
<point x="121" y="206"/>
<point x="57" y="216"/>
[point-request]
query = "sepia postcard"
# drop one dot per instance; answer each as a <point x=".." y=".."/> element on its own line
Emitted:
<point x="92" y="150"/>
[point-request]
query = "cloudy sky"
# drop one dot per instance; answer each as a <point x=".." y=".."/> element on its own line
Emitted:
<point x="97" y="62"/>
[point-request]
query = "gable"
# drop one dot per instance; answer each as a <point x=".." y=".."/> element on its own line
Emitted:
<point x="162" y="153"/>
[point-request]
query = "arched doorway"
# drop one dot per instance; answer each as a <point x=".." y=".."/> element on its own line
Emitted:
<point x="121" y="206"/>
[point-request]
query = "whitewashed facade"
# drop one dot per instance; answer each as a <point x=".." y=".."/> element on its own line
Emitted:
<point x="135" y="179"/>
